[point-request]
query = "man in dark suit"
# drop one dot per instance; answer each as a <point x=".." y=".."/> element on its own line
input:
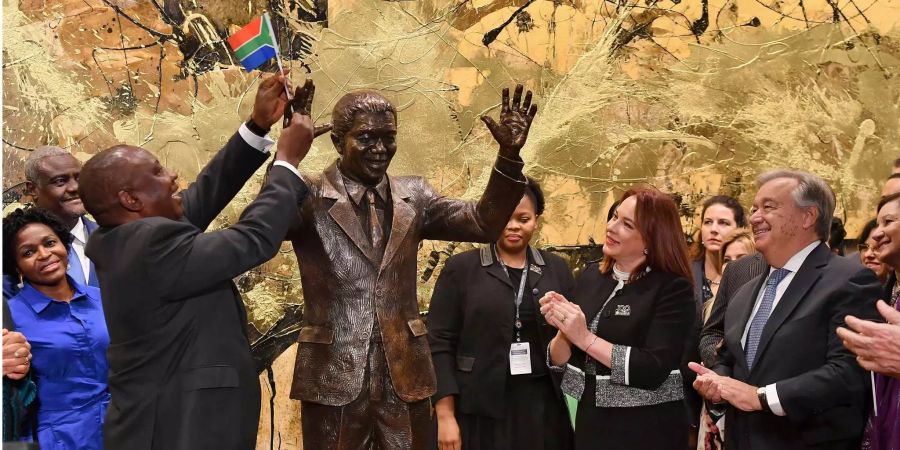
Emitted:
<point x="51" y="179"/>
<point x="784" y="375"/>
<point x="181" y="373"/>
<point x="363" y="371"/>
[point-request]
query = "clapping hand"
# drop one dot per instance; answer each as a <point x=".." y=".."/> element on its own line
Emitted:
<point x="565" y="316"/>
<point x="515" y="121"/>
<point x="875" y="344"/>
<point x="717" y="388"/>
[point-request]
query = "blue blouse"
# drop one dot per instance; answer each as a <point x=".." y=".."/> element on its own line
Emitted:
<point x="68" y="347"/>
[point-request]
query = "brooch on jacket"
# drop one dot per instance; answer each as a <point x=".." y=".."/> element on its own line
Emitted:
<point x="623" y="310"/>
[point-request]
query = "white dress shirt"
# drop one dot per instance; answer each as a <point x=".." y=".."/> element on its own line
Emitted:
<point x="79" y="233"/>
<point x="793" y="265"/>
<point x="263" y="144"/>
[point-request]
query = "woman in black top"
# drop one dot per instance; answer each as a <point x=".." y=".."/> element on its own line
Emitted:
<point x="620" y="343"/>
<point x="494" y="390"/>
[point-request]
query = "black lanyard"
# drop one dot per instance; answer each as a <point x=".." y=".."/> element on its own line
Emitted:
<point x="518" y="297"/>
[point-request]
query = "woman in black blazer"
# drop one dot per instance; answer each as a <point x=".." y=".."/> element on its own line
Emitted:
<point x="620" y="343"/>
<point x="480" y="403"/>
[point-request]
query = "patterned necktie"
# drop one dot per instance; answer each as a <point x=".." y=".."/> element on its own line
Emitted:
<point x="377" y="233"/>
<point x="762" y="314"/>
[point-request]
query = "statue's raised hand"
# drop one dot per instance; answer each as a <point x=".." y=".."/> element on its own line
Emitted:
<point x="515" y="121"/>
<point x="302" y="104"/>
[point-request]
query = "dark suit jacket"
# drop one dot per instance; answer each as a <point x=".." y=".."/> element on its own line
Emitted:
<point x="181" y="373"/>
<point x="736" y="274"/>
<point x="820" y="386"/>
<point x="660" y="312"/>
<point x="471" y="322"/>
<point x="345" y="290"/>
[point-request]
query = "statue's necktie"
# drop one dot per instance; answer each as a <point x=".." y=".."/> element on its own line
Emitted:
<point x="762" y="314"/>
<point x="376" y="232"/>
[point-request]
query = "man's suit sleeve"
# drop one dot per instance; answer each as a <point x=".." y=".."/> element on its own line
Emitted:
<point x="445" y="321"/>
<point x="184" y="261"/>
<point x="840" y="379"/>
<point x="221" y="179"/>
<point x="452" y="219"/>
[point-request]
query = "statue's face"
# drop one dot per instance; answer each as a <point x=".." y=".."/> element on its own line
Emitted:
<point x="366" y="150"/>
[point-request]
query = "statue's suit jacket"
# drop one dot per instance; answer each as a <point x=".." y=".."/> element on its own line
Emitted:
<point x="181" y="374"/>
<point x="345" y="289"/>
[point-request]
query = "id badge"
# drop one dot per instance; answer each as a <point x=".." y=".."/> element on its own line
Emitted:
<point x="520" y="358"/>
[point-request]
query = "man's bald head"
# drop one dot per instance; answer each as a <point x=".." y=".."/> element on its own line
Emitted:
<point x="125" y="183"/>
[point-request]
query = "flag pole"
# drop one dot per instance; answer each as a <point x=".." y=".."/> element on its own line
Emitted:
<point x="277" y="54"/>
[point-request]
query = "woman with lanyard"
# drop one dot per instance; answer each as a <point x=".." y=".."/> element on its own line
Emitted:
<point x="488" y="343"/>
<point x="622" y="337"/>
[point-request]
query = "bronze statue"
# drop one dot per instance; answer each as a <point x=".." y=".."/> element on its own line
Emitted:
<point x="363" y="369"/>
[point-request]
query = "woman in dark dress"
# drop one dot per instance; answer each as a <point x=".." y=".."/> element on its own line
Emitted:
<point x="488" y="343"/>
<point x="621" y="339"/>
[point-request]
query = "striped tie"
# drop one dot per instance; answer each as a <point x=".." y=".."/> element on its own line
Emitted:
<point x="762" y="314"/>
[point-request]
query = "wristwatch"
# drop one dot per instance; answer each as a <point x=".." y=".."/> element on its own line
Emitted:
<point x="763" y="401"/>
<point x="255" y="128"/>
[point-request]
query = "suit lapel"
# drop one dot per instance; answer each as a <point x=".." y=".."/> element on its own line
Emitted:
<point x="803" y="280"/>
<point x="89" y="226"/>
<point x="494" y="270"/>
<point x="402" y="220"/>
<point x="535" y="267"/>
<point x="75" y="270"/>
<point x="596" y="294"/>
<point x="343" y="213"/>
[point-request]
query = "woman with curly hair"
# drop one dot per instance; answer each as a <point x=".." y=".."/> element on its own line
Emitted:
<point x="63" y="320"/>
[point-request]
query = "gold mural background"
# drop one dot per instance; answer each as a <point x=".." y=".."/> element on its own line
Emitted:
<point x="692" y="96"/>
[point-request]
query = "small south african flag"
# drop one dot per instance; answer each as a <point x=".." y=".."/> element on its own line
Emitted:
<point x="254" y="44"/>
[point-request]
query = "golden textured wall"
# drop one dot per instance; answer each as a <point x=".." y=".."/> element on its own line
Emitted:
<point x="694" y="97"/>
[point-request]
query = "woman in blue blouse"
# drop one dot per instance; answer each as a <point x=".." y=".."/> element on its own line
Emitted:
<point x="64" y="323"/>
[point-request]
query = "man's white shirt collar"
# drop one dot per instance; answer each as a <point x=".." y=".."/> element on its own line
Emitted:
<point x="79" y="231"/>
<point x="797" y="260"/>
